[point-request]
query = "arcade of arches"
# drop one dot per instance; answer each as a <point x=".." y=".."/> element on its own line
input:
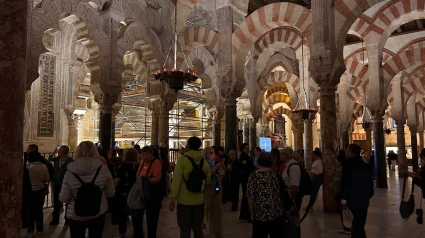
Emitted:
<point x="84" y="70"/>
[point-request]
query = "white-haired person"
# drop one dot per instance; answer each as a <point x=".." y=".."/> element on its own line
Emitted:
<point x="214" y="212"/>
<point x="86" y="186"/>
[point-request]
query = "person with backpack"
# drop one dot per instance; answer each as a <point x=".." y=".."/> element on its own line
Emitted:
<point x="124" y="180"/>
<point x="292" y="177"/>
<point x="39" y="177"/>
<point x="60" y="163"/>
<point x="317" y="181"/>
<point x="247" y="167"/>
<point x="150" y="169"/>
<point x="191" y="175"/>
<point x="86" y="186"/>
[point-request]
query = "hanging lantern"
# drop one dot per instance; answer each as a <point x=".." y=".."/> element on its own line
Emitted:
<point x="387" y="131"/>
<point x="365" y="124"/>
<point x="176" y="79"/>
<point x="305" y="113"/>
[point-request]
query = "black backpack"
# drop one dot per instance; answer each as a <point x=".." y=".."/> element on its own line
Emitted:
<point x="89" y="197"/>
<point x="305" y="180"/>
<point x="197" y="177"/>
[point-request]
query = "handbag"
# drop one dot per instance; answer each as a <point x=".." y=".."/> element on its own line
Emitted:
<point x="407" y="207"/>
<point x="290" y="227"/>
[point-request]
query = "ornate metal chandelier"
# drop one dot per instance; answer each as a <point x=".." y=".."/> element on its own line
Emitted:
<point x="365" y="124"/>
<point x="306" y="112"/>
<point x="176" y="79"/>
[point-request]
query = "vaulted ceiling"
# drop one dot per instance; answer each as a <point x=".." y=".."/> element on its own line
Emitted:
<point x="255" y="4"/>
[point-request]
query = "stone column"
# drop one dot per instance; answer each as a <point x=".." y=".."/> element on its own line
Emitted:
<point x="154" y="124"/>
<point x="164" y="125"/>
<point x="253" y="141"/>
<point x="368" y="148"/>
<point x="414" y="143"/>
<point x="13" y="77"/>
<point x="298" y="129"/>
<point x="345" y="136"/>
<point x="74" y="123"/>
<point x="380" y="155"/>
<point x="401" y="146"/>
<point x="421" y="140"/>
<point x="105" y="128"/>
<point x="231" y="122"/>
<point x="240" y="133"/>
<point x="308" y="143"/>
<point x="246" y="130"/>
<point x="216" y="128"/>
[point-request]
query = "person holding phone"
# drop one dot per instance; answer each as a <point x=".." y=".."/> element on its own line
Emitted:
<point x="214" y="213"/>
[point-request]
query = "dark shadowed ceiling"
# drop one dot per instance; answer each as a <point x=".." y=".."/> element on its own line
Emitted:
<point x="255" y="4"/>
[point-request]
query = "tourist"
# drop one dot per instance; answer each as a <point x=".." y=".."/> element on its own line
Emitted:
<point x="190" y="203"/>
<point x="87" y="168"/>
<point x="166" y="169"/>
<point x="247" y="167"/>
<point x="232" y="179"/>
<point x="257" y="152"/>
<point x="277" y="166"/>
<point x="392" y="160"/>
<point x="356" y="189"/>
<point x="317" y="173"/>
<point x="292" y="177"/>
<point x="124" y="180"/>
<point x="150" y="169"/>
<point x="60" y="163"/>
<point x="214" y="213"/>
<point x="268" y="200"/>
<point x="34" y="147"/>
<point x="419" y="174"/>
<point x="39" y="176"/>
<point x="337" y="186"/>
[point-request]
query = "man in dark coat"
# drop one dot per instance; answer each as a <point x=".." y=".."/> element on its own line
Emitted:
<point x="356" y="189"/>
<point x="233" y="179"/>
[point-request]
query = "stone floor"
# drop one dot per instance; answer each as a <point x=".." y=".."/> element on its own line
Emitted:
<point x="383" y="220"/>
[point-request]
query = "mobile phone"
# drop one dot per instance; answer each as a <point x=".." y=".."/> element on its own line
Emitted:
<point x="57" y="148"/>
<point x="116" y="144"/>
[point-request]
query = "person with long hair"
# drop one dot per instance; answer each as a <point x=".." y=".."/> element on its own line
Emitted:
<point x="39" y="176"/>
<point x="247" y="167"/>
<point x="276" y="160"/>
<point x="85" y="167"/>
<point x="126" y="177"/>
<point x="214" y="213"/>
<point x="317" y="173"/>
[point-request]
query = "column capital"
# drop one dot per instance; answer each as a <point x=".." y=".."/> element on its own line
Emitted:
<point x="400" y="123"/>
<point x="327" y="88"/>
<point x="223" y="3"/>
<point x="74" y="120"/>
<point x="413" y="129"/>
<point x="216" y="116"/>
<point x="230" y="95"/>
<point x="106" y="102"/>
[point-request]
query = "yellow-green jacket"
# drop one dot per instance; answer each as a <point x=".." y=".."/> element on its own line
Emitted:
<point x="179" y="192"/>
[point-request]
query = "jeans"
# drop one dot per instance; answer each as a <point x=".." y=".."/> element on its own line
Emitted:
<point x="189" y="218"/>
<point x="316" y="183"/>
<point x="35" y="211"/>
<point x="152" y="216"/>
<point x="274" y="228"/>
<point x="95" y="227"/>
<point x="359" y="221"/>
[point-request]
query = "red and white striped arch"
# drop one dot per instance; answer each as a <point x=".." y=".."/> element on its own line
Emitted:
<point x="199" y="36"/>
<point x="358" y="55"/>
<point x="357" y="111"/>
<point x="277" y="89"/>
<point x="358" y="70"/>
<point x="287" y="35"/>
<point x="404" y="60"/>
<point x="356" y="92"/>
<point x="279" y="111"/>
<point x="274" y="99"/>
<point x="261" y="21"/>
<point x="417" y="43"/>
<point x="415" y="82"/>
<point x="280" y="77"/>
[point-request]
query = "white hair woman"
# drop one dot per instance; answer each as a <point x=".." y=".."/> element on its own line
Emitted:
<point x="86" y="186"/>
<point x="214" y="213"/>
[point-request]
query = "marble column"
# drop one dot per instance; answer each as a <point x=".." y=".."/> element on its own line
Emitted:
<point x="246" y="131"/>
<point x="154" y="125"/>
<point x="74" y="123"/>
<point x="328" y="135"/>
<point x="345" y="135"/>
<point x="231" y="124"/>
<point x="253" y="141"/>
<point x="421" y="140"/>
<point x="368" y="148"/>
<point x="164" y="125"/>
<point x="216" y="128"/>
<point x="401" y="147"/>
<point x="414" y="143"/>
<point x="308" y="143"/>
<point x="13" y="77"/>
<point x="240" y="133"/>
<point x="298" y="129"/>
<point x="380" y="152"/>
<point x="105" y="129"/>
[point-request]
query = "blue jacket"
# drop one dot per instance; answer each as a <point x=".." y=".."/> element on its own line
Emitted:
<point x="356" y="183"/>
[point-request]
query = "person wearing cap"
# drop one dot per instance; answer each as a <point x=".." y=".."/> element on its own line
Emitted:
<point x="356" y="189"/>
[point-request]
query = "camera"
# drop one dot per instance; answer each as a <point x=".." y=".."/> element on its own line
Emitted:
<point x="419" y="213"/>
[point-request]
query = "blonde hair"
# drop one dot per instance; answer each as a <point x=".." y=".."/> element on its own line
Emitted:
<point x="205" y="151"/>
<point x="86" y="149"/>
<point x="131" y="155"/>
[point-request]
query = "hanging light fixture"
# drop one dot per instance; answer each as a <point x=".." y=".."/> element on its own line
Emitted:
<point x="365" y="124"/>
<point x="388" y="129"/>
<point x="305" y="112"/>
<point x="176" y="79"/>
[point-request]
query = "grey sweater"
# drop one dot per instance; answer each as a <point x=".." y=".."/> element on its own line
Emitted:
<point x="86" y="168"/>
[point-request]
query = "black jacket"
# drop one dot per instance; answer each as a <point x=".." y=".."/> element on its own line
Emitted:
<point x="247" y="167"/>
<point x="60" y="170"/>
<point x="356" y="183"/>
<point x="233" y="176"/>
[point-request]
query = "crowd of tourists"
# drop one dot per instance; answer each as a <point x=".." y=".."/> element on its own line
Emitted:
<point x="273" y="185"/>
